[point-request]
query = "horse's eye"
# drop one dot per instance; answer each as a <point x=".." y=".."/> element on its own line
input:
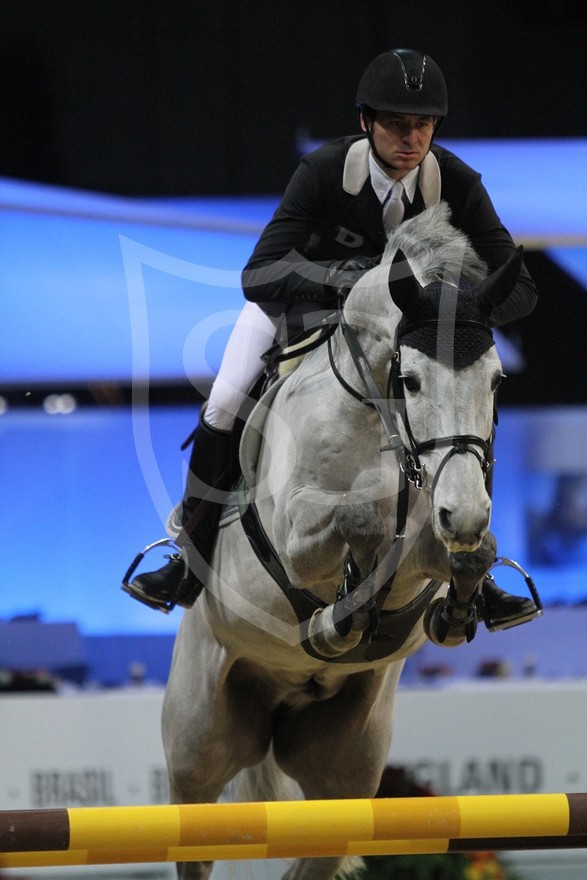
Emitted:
<point x="411" y="384"/>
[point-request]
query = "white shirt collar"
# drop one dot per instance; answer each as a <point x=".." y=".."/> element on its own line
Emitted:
<point x="381" y="182"/>
<point x="356" y="172"/>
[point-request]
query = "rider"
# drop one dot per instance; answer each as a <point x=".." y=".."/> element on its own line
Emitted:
<point x="330" y="228"/>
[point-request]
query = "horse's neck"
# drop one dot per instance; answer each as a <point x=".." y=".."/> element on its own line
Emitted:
<point x="372" y="317"/>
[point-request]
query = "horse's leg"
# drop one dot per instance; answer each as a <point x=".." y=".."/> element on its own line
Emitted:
<point x="364" y="517"/>
<point x="359" y="523"/>
<point x="212" y="727"/>
<point x="315" y="532"/>
<point x="338" y="749"/>
<point x="453" y="620"/>
<point x="196" y="772"/>
<point x="313" y="528"/>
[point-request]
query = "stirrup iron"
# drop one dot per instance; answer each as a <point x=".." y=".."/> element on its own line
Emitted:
<point x="492" y="626"/>
<point x="163" y="605"/>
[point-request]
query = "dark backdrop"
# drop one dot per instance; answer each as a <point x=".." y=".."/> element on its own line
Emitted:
<point x="172" y="97"/>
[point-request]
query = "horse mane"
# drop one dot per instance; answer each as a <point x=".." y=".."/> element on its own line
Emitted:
<point x="437" y="250"/>
<point x="438" y="253"/>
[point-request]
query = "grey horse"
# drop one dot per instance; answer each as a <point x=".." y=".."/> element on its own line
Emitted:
<point x="371" y="495"/>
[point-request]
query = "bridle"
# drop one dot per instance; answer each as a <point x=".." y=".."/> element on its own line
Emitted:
<point x="408" y="456"/>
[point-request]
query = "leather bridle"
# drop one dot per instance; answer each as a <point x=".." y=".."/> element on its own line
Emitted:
<point x="408" y="456"/>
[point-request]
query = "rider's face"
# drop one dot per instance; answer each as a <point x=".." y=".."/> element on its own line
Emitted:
<point x="401" y="139"/>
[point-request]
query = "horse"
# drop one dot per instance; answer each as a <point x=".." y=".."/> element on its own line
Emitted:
<point x="361" y="531"/>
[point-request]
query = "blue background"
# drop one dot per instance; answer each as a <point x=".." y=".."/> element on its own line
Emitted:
<point x="78" y="497"/>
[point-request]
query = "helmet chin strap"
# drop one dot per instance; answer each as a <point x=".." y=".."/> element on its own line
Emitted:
<point x="375" y="151"/>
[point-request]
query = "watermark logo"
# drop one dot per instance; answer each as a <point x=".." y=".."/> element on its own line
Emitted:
<point x="305" y="439"/>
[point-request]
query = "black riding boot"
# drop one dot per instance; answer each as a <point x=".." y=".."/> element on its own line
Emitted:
<point x="210" y="475"/>
<point x="501" y="610"/>
<point x="498" y="609"/>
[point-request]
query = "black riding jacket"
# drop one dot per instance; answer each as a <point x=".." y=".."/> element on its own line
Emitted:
<point x="329" y="211"/>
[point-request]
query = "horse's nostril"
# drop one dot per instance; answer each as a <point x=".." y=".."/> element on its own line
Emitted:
<point x="444" y="517"/>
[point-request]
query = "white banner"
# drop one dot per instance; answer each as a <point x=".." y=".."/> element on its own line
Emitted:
<point x="484" y="738"/>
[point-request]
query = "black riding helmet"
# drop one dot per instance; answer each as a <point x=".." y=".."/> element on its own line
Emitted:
<point x="403" y="81"/>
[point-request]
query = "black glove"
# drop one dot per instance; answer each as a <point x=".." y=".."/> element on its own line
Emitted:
<point x="343" y="274"/>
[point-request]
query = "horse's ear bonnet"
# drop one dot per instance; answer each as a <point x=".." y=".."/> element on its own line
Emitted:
<point x="445" y="323"/>
<point x="497" y="287"/>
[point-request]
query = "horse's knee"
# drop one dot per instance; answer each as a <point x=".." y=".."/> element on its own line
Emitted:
<point x="362" y="518"/>
<point x="362" y="526"/>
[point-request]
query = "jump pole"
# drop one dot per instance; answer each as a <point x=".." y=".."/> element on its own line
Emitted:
<point x="291" y="829"/>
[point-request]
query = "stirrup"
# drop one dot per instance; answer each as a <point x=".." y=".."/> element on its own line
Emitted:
<point x="496" y="626"/>
<point x="163" y="605"/>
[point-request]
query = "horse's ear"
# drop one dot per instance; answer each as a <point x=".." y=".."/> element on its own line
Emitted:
<point x="404" y="287"/>
<point x="497" y="286"/>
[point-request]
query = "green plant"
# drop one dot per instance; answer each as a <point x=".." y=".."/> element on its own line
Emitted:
<point x="450" y="866"/>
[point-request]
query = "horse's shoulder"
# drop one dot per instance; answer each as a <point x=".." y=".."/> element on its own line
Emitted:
<point x="252" y="434"/>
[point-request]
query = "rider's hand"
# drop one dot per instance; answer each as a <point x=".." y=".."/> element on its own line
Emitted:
<point x="343" y="274"/>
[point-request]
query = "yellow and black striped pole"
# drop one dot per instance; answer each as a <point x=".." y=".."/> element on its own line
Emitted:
<point x="291" y="829"/>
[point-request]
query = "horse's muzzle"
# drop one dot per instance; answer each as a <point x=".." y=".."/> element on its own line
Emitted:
<point x="462" y="529"/>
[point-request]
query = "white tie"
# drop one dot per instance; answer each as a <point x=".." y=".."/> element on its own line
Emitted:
<point x="393" y="207"/>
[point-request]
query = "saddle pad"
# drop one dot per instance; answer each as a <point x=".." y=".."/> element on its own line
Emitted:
<point x="252" y="435"/>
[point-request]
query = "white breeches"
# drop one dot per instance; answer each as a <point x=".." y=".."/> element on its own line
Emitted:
<point x="252" y="335"/>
